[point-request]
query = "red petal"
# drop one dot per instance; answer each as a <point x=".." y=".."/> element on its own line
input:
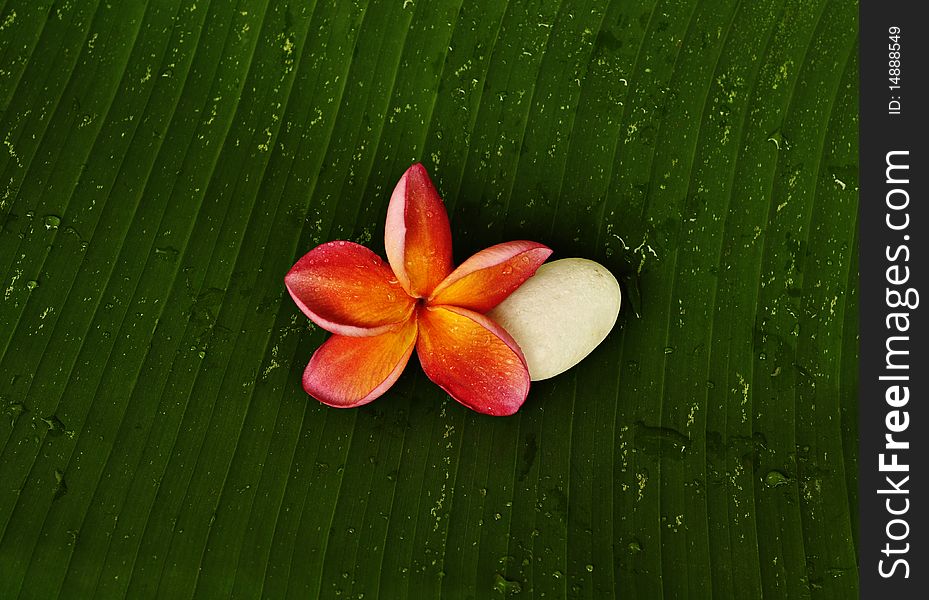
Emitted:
<point x="347" y="289"/>
<point x="417" y="236"/>
<point x="487" y="278"/>
<point x="350" y="371"/>
<point x="473" y="359"/>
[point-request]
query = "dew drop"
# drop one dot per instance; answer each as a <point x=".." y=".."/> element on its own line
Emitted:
<point x="167" y="252"/>
<point x="506" y="586"/>
<point x="52" y="221"/>
<point x="32" y="284"/>
<point x="61" y="487"/>
<point x="55" y="426"/>
<point x="775" y="478"/>
<point x="15" y="409"/>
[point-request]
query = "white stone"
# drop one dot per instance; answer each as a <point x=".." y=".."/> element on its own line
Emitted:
<point x="560" y="314"/>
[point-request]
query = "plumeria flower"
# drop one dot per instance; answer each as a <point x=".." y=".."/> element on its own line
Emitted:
<point x="379" y="312"/>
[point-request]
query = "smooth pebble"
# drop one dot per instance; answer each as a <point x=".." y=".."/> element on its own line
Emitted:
<point x="560" y="314"/>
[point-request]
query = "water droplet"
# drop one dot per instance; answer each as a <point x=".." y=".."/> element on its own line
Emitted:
<point x="32" y="284"/>
<point x="55" y="426"/>
<point x="14" y="410"/>
<point x="780" y="142"/>
<point x="52" y="221"/>
<point x="590" y="568"/>
<point x="775" y="478"/>
<point x="668" y="350"/>
<point x="557" y="574"/>
<point x="506" y="586"/>
<point x="201" y="354"/>
<point x="61" y="488"/>
<point x="167" y="253"/>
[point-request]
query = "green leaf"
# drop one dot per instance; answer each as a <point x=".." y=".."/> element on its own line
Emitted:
<point x="163" y="165"/>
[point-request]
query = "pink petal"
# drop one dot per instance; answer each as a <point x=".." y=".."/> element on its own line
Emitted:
<point x="350" y="371"/>
<point x="473" y="359"/>
<point x="347" y="289"/>
<point x="417" y="236"/>
<point x="487" y="278"/>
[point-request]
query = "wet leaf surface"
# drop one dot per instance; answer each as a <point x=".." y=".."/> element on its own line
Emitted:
<point x="163" y="164"/>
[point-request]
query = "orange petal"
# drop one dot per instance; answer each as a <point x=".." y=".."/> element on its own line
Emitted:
<point x="417" y="236"/>
<point x="487" y="278"/>
<point x="473" y="359"/>
<point x="350" y="371"/>
<point x="347" y="289"/>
